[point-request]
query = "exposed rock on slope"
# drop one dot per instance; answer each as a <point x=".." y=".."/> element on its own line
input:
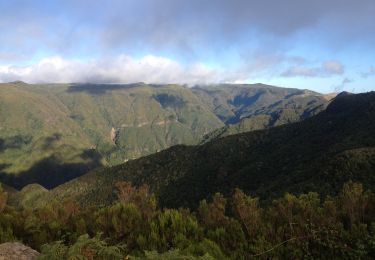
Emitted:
<point x="17" y="251"/>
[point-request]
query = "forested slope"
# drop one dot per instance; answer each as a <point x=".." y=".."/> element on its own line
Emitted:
<point x="317" y="154"/>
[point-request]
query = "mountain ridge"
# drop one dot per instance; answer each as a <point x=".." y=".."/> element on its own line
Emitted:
<point x="317" y="154"/>
<point x="55" y="129"/>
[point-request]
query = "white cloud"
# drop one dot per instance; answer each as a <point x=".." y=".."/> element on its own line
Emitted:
<point x="158" y="70"/>
<point x="127" y="69"/>
<point x="326" y="69"/>
<point x="121" y="69"/>
<point x="332" y="67"/>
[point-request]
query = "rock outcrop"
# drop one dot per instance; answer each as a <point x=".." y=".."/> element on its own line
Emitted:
<point x="114" y="133"/>
<point x="17" y="251"/>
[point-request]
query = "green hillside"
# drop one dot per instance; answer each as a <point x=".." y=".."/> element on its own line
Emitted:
<point x="253" y="107"/>
<point x="231" y="103"/>
<point x="52" y="133"/>
<point x="317" y="154"/>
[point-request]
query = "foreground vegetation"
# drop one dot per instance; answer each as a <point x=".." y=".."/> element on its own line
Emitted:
<point x="237" y="227"/>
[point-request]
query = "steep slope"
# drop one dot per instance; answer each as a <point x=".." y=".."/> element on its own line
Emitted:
<point x="317" y="154"/>
<point x="53" y="133"/>
<point x="128" y="121"/>
<point x="38" y="136"/>
<point x="231" y="103"/>
<point x="253" y="107"/>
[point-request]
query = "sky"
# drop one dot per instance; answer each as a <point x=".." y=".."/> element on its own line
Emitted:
<point x="322" y="45"/>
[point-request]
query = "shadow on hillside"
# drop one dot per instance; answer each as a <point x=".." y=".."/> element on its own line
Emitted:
<point x="100" y="89"/>
<point x="14" y="142"/>
<point x="50" y="172"/>
<point x="50" y="140"/>
<point x="166" y="100"/>
<point x="4" y="166"/>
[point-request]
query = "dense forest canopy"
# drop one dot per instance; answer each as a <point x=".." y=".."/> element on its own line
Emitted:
<point x="236" y="227"/>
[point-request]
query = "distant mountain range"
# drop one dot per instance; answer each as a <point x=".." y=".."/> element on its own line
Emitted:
<point x="52" y="133"/>
<point x="317" y="154"/>
<point x="243" y="108"/>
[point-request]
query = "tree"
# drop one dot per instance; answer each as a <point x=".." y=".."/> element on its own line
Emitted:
<point x="353" y="202"/>
<point x="3" y="199"/>
<point x="248" y="212"/>
<point x="213" y="214"/>
<point x="140" y="197"/>
<point x="174" y="229"/>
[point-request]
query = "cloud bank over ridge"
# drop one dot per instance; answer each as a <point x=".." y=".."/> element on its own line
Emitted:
<point x="196" y="41"/>
<point x="122" y="69"/>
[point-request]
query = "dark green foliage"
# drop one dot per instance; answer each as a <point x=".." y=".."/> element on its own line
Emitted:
<point x="121" y="222"/>
<point x="175" y="254"/>
<point x="236" y="227"/>
<point x="173" y="229"/>
<point x="167" y="100"/>
<point x="84" y="248"/>
<point x="221" y="229"/>
<point x="14" y="142"/>
<point x="3" y="198"/>
<point x="318" y="154"/>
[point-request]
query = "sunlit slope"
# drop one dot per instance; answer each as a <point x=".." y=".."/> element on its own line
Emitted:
<point x="257" y="106"/>
<point x="34" y="125"/>
<point x="129" y="121"/>
<point x="317" y="154"/>
<point x="68" y="129"/>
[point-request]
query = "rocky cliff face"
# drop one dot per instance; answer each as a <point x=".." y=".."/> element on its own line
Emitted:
<point x="17" y="251"/>
<point x="114" y="133"/>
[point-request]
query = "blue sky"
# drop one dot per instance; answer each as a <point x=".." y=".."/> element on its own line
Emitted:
<point x="327" y="46"/>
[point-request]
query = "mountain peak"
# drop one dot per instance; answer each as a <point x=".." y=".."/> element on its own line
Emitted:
<point x="344" y="93"/>
<point x="18" y="82"/>
<point x="346" y="101"/>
